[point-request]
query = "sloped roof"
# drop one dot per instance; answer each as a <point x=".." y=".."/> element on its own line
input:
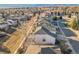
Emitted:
<point x="47" y="24"/>
<point x="44" y="30"/>
<point x="41" y="31"/>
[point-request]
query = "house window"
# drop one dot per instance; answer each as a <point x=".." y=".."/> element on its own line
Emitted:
<point x="44" y="40"/>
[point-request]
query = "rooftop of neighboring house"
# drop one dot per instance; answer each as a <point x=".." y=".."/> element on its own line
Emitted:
<point x="47" y="25"/>
<point x="2" y="20"/>
<point x="43" y="30"/>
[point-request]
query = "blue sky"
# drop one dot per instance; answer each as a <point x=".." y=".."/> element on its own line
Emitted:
<point x="32" y="5"/>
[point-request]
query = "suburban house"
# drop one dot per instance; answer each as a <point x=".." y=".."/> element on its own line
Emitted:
<point x="12" y="22"/>
<point x="3" y="25"/>
<point x="44" y="34"/>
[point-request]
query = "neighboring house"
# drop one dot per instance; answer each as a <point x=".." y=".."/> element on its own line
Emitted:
<point x="4" y="26"/>
<point x="17" y="20"/>
<point x="43" y="36"/>
<point x="23" y="18"/>
<point x="12" y="22"/>
<point x="45" y="33"/>
<point x="50" y="26"/>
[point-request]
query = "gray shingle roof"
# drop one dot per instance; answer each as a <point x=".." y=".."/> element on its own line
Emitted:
<point x="41" y="31"/>
<point x="44" y="30"/>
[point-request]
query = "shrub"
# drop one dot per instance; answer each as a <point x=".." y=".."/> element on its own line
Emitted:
<point x="73" y="24"/>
